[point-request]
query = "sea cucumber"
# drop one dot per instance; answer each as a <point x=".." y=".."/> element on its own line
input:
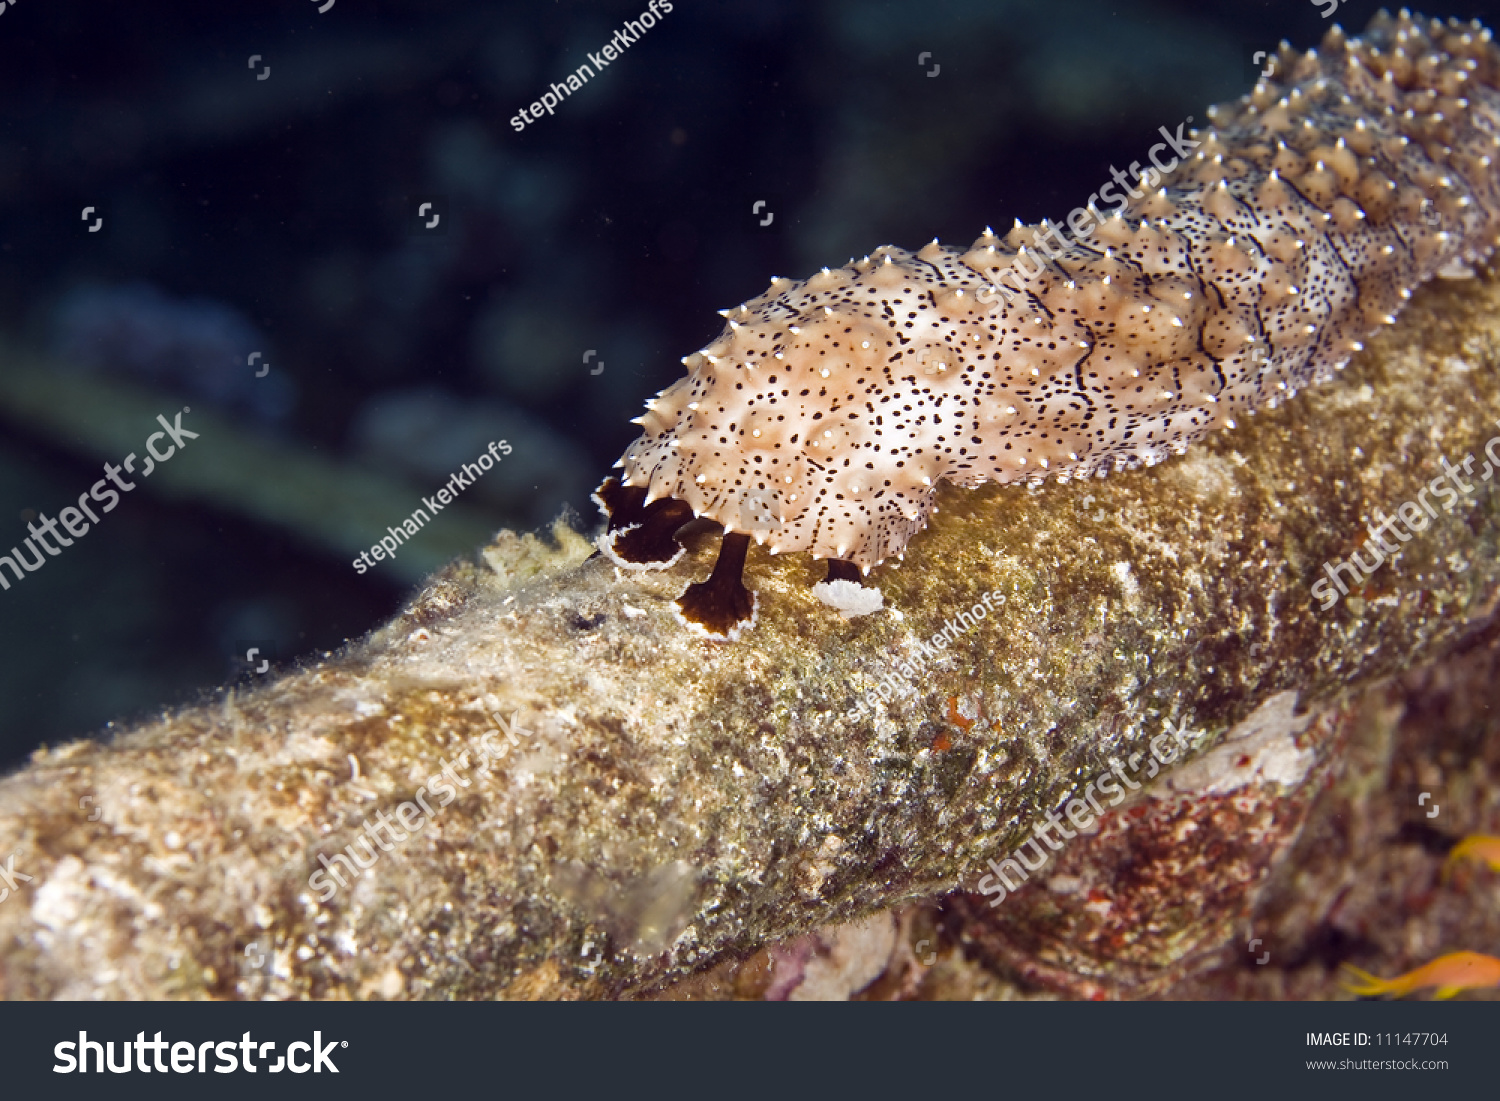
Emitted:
<point x="825" y="414"/>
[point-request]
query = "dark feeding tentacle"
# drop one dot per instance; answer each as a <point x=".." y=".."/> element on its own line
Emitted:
<point x="840" y="569"/>
<point x="652" y="543"/>
<point x="621" y="504"/>
<point x="640" y="536"/>
<point x="722" y="607"/>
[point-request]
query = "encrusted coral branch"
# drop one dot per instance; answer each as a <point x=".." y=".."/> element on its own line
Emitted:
<point x="677" y="802"/>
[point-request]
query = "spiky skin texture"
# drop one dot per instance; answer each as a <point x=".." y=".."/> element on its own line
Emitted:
<point x="1298" y="224"/>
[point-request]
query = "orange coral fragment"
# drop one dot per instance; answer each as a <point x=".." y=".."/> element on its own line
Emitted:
<point x="955" y="718"/>
<point x="1455" y="972"/>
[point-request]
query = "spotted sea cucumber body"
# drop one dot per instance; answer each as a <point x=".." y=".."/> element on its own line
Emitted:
<point x="1297" y="224"/>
